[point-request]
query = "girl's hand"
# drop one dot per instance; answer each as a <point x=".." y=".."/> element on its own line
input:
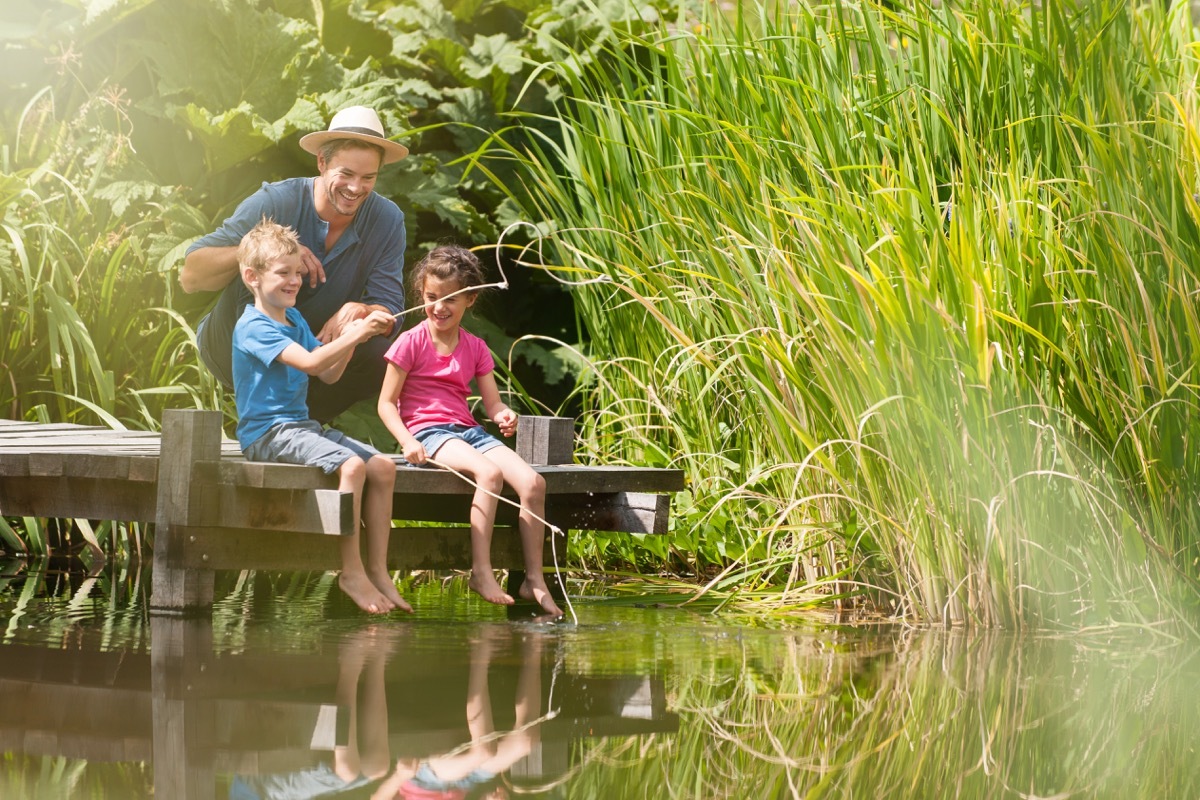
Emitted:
<point x="414" y="453"/>
<point x="507" y="420"/>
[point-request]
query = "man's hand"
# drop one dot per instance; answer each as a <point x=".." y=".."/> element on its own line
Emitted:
<point x="507" y="420"/>
<point x="313" y="267"/>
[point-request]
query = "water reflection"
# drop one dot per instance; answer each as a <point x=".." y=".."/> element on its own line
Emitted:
<point x="357" y="708"/>
<point x="287" y="689"/>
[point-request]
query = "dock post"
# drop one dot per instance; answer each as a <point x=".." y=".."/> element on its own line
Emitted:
<point x="544" y="441"/>
<point x="188" y="436"/>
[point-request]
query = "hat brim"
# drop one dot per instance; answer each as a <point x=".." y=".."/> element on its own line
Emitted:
<point x="392" y="151"/>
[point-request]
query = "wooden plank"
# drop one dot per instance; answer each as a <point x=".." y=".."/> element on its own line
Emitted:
<point x="81" y="498"/>
<point x="15" y="465"/>
<point x="408" y="549"/>
<point x="628" y="512"/>
<point x="325" y="511"/>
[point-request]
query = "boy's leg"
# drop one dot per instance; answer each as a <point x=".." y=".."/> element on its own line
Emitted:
<point x="377" y="519"/>
<point x="353" y="580"/>
<point x="459" y="455"/>
<point x="307" y="443"/>
<point x="531" y="491"/>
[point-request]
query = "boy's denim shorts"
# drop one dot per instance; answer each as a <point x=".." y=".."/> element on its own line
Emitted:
<point x="309" y="444"/>
<point x="433" y="437"/>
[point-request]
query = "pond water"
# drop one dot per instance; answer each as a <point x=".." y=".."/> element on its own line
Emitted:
<point x="289" y="692"/>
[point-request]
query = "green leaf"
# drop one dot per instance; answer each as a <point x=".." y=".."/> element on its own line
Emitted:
<point x="490" y="53"/>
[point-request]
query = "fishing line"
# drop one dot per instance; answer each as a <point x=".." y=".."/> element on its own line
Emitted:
<point x="503" y="282"/>
<point x="554" y="529"/>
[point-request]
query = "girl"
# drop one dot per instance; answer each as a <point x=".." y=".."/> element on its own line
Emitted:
<point x="423" y="403"/>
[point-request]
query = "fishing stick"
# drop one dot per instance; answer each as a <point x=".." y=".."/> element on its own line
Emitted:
<point x="503" y="282"/>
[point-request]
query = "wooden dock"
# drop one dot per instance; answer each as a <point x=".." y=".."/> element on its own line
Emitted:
<point x="213" y="510"/>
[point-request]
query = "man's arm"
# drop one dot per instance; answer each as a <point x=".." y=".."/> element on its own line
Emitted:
<point x="208" y="269"/>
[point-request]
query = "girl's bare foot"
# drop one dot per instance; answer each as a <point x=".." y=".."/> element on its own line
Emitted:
<point x="535" y="589"/>
<point x="483" y="583"/>
<point x="363" y="593"/>
<point x="387" y="587"/>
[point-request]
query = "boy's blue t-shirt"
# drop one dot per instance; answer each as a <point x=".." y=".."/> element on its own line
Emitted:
<point x="268" y="392"/>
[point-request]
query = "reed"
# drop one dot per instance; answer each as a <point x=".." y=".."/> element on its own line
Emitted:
<point x="908" y="294"/>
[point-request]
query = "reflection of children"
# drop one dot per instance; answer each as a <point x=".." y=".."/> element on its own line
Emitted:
<point x="364" y="757"/>
<point x="473" y="770"/>
<point x="274" y="352"/>
<point x="423" y="403"/>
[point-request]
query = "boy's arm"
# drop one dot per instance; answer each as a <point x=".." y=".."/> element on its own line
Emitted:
<point x="389" y="414"/>
<point x="494" y="407"/>
<point x="328" y="362"/>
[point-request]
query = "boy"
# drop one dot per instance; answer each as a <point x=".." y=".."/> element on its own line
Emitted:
<point x="274" y="352"/>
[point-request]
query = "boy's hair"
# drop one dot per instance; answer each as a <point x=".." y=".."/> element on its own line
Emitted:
<point x="448" y="262"/>
<point x="266" y="242"/>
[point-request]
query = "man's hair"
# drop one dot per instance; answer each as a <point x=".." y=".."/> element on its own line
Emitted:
<point x="448" y="262"/>
<point x="266" y="242"/>
<point x="335" y="146"/>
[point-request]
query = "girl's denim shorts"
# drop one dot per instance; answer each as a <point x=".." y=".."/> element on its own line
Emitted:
<point x="435" y="436"/>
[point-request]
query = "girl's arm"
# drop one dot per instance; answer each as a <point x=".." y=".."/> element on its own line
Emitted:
<point x="329" y="361"/>
<point x="389" y="414"/>
<point x="494" y="407"/>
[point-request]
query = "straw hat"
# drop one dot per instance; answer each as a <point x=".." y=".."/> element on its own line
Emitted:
<point x="355" y="122"/>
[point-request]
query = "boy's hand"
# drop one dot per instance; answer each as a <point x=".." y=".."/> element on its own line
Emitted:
<point x="414" y="452"/>
<point x="507" y="420"/>
<point x="373" y="324"/>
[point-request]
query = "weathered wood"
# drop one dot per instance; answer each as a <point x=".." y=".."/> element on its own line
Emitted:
<point x="188" y="436"/>
<point x="408" y="549"/>
<point x="546" y="440"/>
<point x="77" y="498"/>
<point x="325" y="511"/>
<point x="629" y="512"/>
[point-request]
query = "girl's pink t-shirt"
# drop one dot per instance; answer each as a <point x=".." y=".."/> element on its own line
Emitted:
<point x="436" y="387"/>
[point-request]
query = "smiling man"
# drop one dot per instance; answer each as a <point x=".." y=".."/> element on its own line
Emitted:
<point x="352" y="254"/>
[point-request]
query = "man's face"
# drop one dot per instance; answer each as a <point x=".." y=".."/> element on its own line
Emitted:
<point x="346" y="179"/>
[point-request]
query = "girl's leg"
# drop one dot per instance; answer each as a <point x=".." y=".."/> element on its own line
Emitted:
<point x="377" y="519"/>
<point x="460" y="456"/>
<point x="353" y="579"/>
<point x="531" y="491"/>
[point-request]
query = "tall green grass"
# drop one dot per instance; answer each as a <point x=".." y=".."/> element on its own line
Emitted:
<point x="908" y="293"/>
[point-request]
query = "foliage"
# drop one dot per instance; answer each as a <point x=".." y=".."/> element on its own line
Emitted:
<point x="908" y="293"/>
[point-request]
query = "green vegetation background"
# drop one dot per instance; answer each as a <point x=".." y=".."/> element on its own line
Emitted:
<point x="907" y="292"/>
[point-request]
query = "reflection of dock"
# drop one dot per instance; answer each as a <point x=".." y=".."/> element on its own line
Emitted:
<point x="198" y="715"/>
<point x="213" y="510"/>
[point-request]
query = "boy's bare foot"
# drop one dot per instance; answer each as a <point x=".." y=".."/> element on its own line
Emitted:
<point x="535" y="589"/>
<point x="483" y="583"/>
<point x="387" y="587"/>
<point x="363" y="593"/>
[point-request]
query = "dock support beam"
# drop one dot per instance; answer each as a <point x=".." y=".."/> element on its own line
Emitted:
<point x="188" y="436"/>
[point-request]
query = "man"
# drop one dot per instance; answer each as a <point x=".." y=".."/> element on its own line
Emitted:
<point x="352" y="252"/>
